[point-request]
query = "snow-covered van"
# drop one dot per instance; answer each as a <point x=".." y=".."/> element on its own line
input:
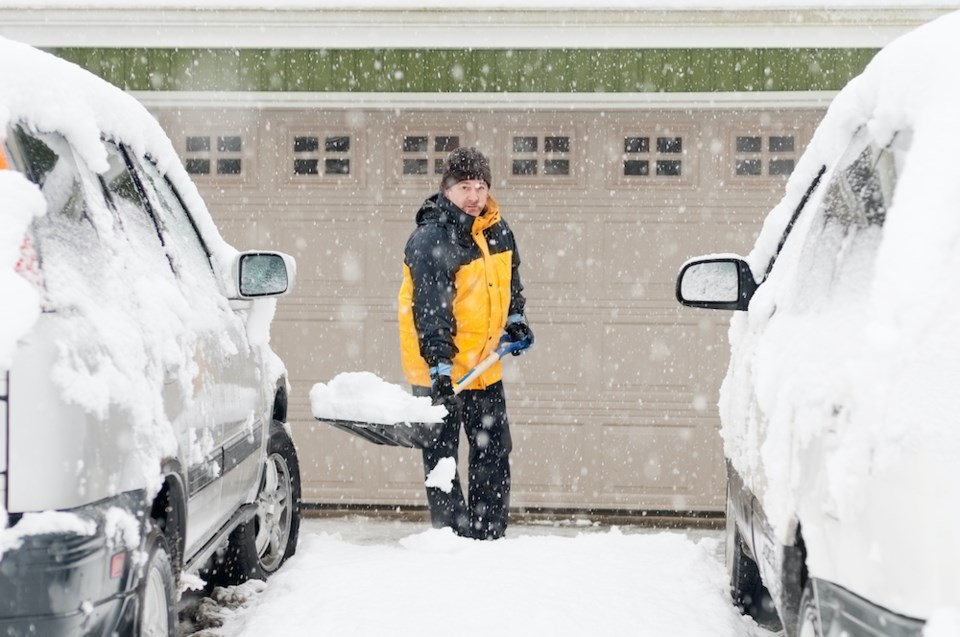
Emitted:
<point x="840" y="409"/>
<point x="143" y="445"/>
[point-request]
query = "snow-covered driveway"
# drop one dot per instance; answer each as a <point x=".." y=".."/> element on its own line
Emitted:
<point x="364" y="577"/>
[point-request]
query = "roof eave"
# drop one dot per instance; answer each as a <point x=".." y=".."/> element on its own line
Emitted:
<point x="326" y="28"/>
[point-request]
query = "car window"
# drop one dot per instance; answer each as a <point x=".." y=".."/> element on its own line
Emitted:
<point x="858" y="196"/>
<point x="69" y="239"/>
<point x="223" y="334"/>
<point x="840" y="248"/>
<point x="801" y="206"/>
<point x="48" y="162"/>
<point x="184" y="243"/>
<point x="137" y="219"/>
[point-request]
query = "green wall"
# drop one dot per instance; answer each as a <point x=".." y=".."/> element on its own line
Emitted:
<point x="516" y="70"/>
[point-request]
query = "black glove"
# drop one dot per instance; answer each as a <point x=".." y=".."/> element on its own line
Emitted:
<point x="517" y="331"/>
<point x="441" y="393"/>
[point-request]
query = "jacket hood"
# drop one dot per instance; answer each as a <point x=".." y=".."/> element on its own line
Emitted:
<point x="439" y="210"/>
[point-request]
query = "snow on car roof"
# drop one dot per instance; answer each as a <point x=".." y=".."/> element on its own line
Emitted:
<point x="53" y="94"/>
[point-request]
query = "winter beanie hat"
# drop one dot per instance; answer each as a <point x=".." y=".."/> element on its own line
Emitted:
<point x="463" y="164"/>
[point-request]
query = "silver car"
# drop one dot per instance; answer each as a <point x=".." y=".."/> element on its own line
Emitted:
<point x="142" y="412"/>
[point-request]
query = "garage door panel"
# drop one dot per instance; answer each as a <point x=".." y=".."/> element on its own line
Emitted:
<point x="239" y="232"/>
<point x="553" y="254"/>
<point x="311" y="347"/>
<point x="386" y="349"/>
<point x="340" y="467"/>
<point x="641" y="354"/>
<point x="327" y="459"/>
<point x="561" y="357"/>
<point x="401" y="473"/>
<point x="315" y="351"/>
<point x="646" y="253"/>
<point x="671" y="462"/>
<point x="389" y="254"/>
<point x="330" y="252"/>
<point x="553" y="464"/>
<point x="700" y="342"/>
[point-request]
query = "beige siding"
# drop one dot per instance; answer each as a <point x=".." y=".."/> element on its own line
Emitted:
<point x="615" y="407"/>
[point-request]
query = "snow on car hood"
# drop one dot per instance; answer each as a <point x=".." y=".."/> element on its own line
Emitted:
<point x="850" y="428"/>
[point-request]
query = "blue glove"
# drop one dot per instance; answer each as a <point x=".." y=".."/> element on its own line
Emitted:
<point x="517" y="330"/>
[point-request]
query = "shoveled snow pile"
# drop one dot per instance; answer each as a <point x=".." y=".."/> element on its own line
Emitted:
<point x="365" y="397"/>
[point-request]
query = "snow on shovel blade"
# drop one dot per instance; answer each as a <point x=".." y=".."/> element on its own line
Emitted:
<point x="365" y="405"/>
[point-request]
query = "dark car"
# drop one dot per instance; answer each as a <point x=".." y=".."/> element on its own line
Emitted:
<point x="840" y="406"/>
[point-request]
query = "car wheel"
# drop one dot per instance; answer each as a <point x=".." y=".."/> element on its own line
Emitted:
<point x="746" y="588"/>
<point x="157" y="591"/>
<point x="257" y="548"/>
<point x="278" y="504"/>
<point x="808" y="621"/>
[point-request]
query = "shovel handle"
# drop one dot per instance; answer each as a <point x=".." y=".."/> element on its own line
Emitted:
<point x="505" y="348"/>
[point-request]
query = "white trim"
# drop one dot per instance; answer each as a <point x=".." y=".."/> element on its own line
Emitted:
<point x="448" y="102"/>
<point x="489" y="28"/>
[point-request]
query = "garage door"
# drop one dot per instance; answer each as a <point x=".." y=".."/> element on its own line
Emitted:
<point x="615" y="407"/>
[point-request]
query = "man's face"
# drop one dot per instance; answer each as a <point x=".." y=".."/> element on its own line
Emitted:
<point x="469" y="195"/>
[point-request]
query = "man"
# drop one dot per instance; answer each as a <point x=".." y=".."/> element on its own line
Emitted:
<point x="461" y="295"/>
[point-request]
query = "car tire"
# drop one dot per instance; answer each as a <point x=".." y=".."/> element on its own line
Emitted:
<point x="257" y="548"/>
<point x="808" y="620"/>
<point x="157" y="616"/>
<point x="746" y="588"/>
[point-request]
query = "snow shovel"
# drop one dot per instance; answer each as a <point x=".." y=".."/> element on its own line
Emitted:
<point x="421" y="435"/>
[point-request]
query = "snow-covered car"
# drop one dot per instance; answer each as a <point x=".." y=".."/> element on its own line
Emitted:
<point x="840" y="408"/>
<point x="143" y="445"/>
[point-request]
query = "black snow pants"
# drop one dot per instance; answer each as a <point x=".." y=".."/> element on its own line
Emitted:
<point x="483" y="416"/>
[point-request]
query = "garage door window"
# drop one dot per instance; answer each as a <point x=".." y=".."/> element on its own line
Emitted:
<point x="209" y="155"/>
<point x="423" y="154"/>
<point x="540" y="156"/>
<point x="765" y="155"/>
<point x="316" y="155"/>
<point x="658" y="155"/>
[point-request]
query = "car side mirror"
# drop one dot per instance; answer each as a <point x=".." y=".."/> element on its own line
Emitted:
<point x="716" y="283"/>
<point x="262" y="274"/>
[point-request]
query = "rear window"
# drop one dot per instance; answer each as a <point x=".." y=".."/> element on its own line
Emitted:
<point x="47" y="161"/>
<point x="67" y="239"/>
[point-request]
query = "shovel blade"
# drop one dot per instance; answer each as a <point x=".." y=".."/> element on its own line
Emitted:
<point x="415" y="435"/>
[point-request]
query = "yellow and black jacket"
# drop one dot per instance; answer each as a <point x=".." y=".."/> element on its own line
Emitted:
<point x="460" y="283"/>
